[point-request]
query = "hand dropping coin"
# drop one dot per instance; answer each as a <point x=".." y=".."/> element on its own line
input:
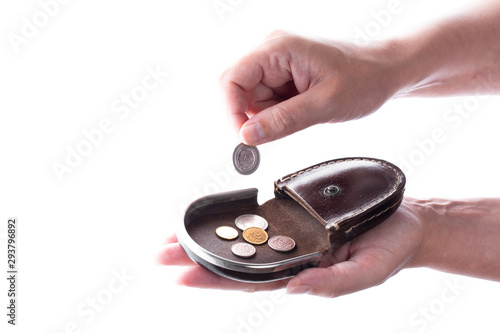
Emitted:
<point x="246" y="159"/>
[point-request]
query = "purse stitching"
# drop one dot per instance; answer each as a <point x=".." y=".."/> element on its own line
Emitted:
<point x="374" y="216"/>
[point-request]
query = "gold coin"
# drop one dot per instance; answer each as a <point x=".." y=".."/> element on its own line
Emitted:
<point x="255" y="235"/>
<point x="225" y="232"/>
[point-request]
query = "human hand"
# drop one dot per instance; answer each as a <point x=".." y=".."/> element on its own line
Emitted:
<point x="290" y="83"/>
<point x="367" y="261"/>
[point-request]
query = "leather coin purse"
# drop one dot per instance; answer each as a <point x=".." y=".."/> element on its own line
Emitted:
<point x="320" y="208"/>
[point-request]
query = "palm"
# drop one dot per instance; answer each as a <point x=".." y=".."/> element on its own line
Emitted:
<point x="367" y="261"/>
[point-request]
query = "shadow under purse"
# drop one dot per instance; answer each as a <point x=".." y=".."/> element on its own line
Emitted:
<point x="320" y="208"/>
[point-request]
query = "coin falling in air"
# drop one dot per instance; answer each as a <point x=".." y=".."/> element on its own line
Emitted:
<point x="255" y="235"/>
<point x="246" y="221"/>
<point x="225" y="232"/>
<point x="246" y="159"/>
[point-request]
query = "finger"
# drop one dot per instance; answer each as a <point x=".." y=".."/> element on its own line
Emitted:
<point x="263" y="97"/>
<point x="341" y="254"/>
<point x="263" y="93"/>
<point x="173" y="255"/>
<point x="341" y="279"/>
<point x="259" y="106"/>
<point x="242" y="77"/>
<point x="203" y="278"/>
<point x="286" y="91"/>
<point x="246" y="75"/>
<point x="283" y="119"/>
<point x="237" y="104"/>
<point x="260" y="93"/>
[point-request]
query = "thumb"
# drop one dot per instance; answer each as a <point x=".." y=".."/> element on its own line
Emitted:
<point x="282" y="119"/>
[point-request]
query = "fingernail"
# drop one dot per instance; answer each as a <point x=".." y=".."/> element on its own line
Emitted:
<point x="252" y="134"/>
<point x="300" y="289"/>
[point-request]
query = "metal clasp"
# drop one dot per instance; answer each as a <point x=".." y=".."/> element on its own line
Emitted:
<point x="331" y="190"/>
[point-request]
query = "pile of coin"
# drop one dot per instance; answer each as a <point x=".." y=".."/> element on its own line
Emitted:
<point x="254" y="232"/>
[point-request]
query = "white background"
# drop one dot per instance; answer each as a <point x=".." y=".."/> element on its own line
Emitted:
<point x="111" y="214"/>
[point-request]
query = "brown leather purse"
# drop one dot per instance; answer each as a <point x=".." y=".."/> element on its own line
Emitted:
<point x="320" y="207"/>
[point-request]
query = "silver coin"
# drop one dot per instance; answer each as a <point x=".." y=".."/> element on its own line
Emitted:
<point x="226" y="232"/>
<point x="243" y="250"/>
<point x="281" y="243"/>
<point x="246" y="221"/>
<point x="246" y="159"/>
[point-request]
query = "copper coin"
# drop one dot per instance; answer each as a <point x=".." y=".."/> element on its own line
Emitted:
<point x="225" y="232"/>
<point x="243" y="250"/>
<point x="246" y="159"/>
<point x="255" y="235"/>
<point x="281" y="243"/>
<point x="251" y="220"/>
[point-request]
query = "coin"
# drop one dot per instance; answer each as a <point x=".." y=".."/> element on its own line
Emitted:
<point x="226" y="232"/>
<point x="250" y="220"/>
<point x="255" y="235"/>
<point x="281" y="243"/>
<point x="244" y="250"/>
<point x="246" y="159"/>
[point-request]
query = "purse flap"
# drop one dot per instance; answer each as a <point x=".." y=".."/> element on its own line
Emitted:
<point x="339" y="192"/>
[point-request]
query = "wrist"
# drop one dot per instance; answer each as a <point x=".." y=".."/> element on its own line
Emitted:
<point x="430" y="214"/>
<point x="409" y="69"/>
<point x="459" y="237"/>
